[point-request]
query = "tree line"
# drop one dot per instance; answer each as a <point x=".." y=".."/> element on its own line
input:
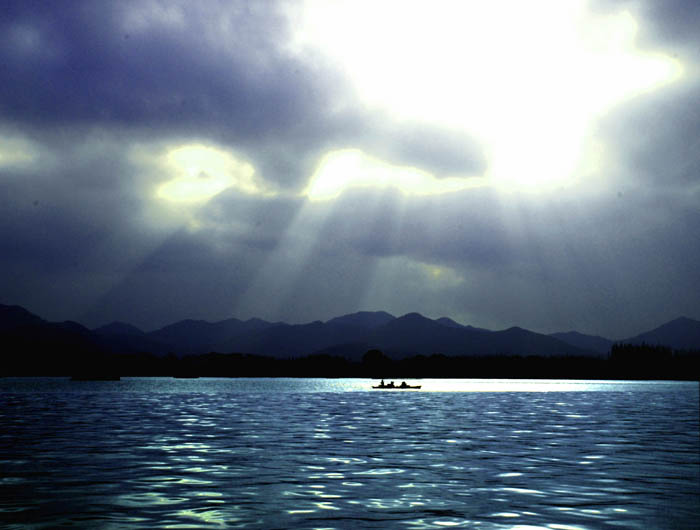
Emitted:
<point x="625" y="361"/>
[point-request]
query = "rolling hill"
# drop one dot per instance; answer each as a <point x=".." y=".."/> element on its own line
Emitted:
<point x="681" y="334"/>
<point x="60" y="347"/>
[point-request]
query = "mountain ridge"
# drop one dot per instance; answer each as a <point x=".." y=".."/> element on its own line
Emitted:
<point x="681" y="333"/>
<point x="582" y="340"/>
<point x="348" y="336"/>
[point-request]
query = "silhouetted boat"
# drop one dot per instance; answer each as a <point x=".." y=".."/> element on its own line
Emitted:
<point x="397" y="387"/>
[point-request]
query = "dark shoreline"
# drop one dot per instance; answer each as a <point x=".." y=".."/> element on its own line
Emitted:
<point x="631" y="364"/>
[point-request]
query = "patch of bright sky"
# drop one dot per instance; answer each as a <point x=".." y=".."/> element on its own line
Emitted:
<point x="143" y="16"/>
<point x="441" y="273"/>
<point x="16" y="151"/>
<point x="199" y="172"/>
<point x="526" y="79"/>
<point x="352" y="168"/>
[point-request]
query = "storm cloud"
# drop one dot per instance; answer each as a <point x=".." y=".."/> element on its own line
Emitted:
<point x="157" y="162"/>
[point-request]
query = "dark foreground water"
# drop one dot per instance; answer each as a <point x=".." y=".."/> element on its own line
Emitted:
<point x="316" y="453"/>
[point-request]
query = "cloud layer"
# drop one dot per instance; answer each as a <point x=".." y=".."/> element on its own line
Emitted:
<point x="156" y="160"/>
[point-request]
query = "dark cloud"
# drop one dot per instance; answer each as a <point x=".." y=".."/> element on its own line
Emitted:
<point x="465" y="226"/>
<point x="549" y="264"/>
<point x="234" y="217"/>
<point x="183" y="272"/>
<point x="52" y="216"/>
<point x="95" y="93"/>
<point x="84" y="64"/>
<point x="657" y="140"/>
<point x="215" y="70"/>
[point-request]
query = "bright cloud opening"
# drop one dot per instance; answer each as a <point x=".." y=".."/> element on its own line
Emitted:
<point x="352" y="168"/>
<point x="442" y="274"/>
<point x="526" y="79"/>
<point x="16" y="151"/>
<point x="200" y="172"/>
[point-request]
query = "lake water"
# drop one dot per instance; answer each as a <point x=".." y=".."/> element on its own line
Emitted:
<point x="332" y="453"/>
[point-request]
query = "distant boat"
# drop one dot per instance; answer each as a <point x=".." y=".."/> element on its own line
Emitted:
<point x="89" y="377"/>
<point x="402" y="386"/>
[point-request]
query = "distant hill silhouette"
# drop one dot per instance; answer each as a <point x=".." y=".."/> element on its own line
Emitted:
<point x="13" y="316"/>
<point x="449" y="322"/>
<point x="119" y="328"/>
<point x="200" y="336"/>
<point x="37" y="347"/>
<point x="583" y="341"/>
<point x="414" y="334"/>
<point x="364" y="319"/>
<point x="120" y="337"/>
<point x="452" y="324"/>
<point x="33" y="346"/>
<point x="681" y="334"/>
<point x="287" y="340"/>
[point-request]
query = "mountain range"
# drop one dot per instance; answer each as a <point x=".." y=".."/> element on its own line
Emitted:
<point x="348" y="336"/>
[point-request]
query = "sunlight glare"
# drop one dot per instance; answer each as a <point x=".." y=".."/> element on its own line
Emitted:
<point x="16" y="151"/>
<point x="352" y="168"/>
<point x="442" y="274"/>
<point x="527" y="79"/>
<point x="201" y="172"/>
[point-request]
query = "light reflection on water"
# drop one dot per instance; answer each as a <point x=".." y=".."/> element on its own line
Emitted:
<point x="157" y="453"/>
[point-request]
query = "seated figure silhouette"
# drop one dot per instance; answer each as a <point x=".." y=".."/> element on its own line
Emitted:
<point x="403" y="384"/>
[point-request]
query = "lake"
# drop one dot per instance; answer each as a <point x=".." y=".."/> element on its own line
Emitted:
<point x="332" y="453"/>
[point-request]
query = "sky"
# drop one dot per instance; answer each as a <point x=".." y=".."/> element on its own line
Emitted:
<point x="501" y="163"/>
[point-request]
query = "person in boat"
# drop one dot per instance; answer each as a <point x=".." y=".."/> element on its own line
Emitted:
<point x="390" y="385"/>
<point x="382" y="383"/>
<point x="403" y="384"/>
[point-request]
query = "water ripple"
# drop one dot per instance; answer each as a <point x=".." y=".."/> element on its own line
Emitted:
<point x="144" y="459"/>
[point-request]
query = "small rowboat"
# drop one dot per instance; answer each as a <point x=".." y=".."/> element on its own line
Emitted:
<point x="398" y="387"/>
